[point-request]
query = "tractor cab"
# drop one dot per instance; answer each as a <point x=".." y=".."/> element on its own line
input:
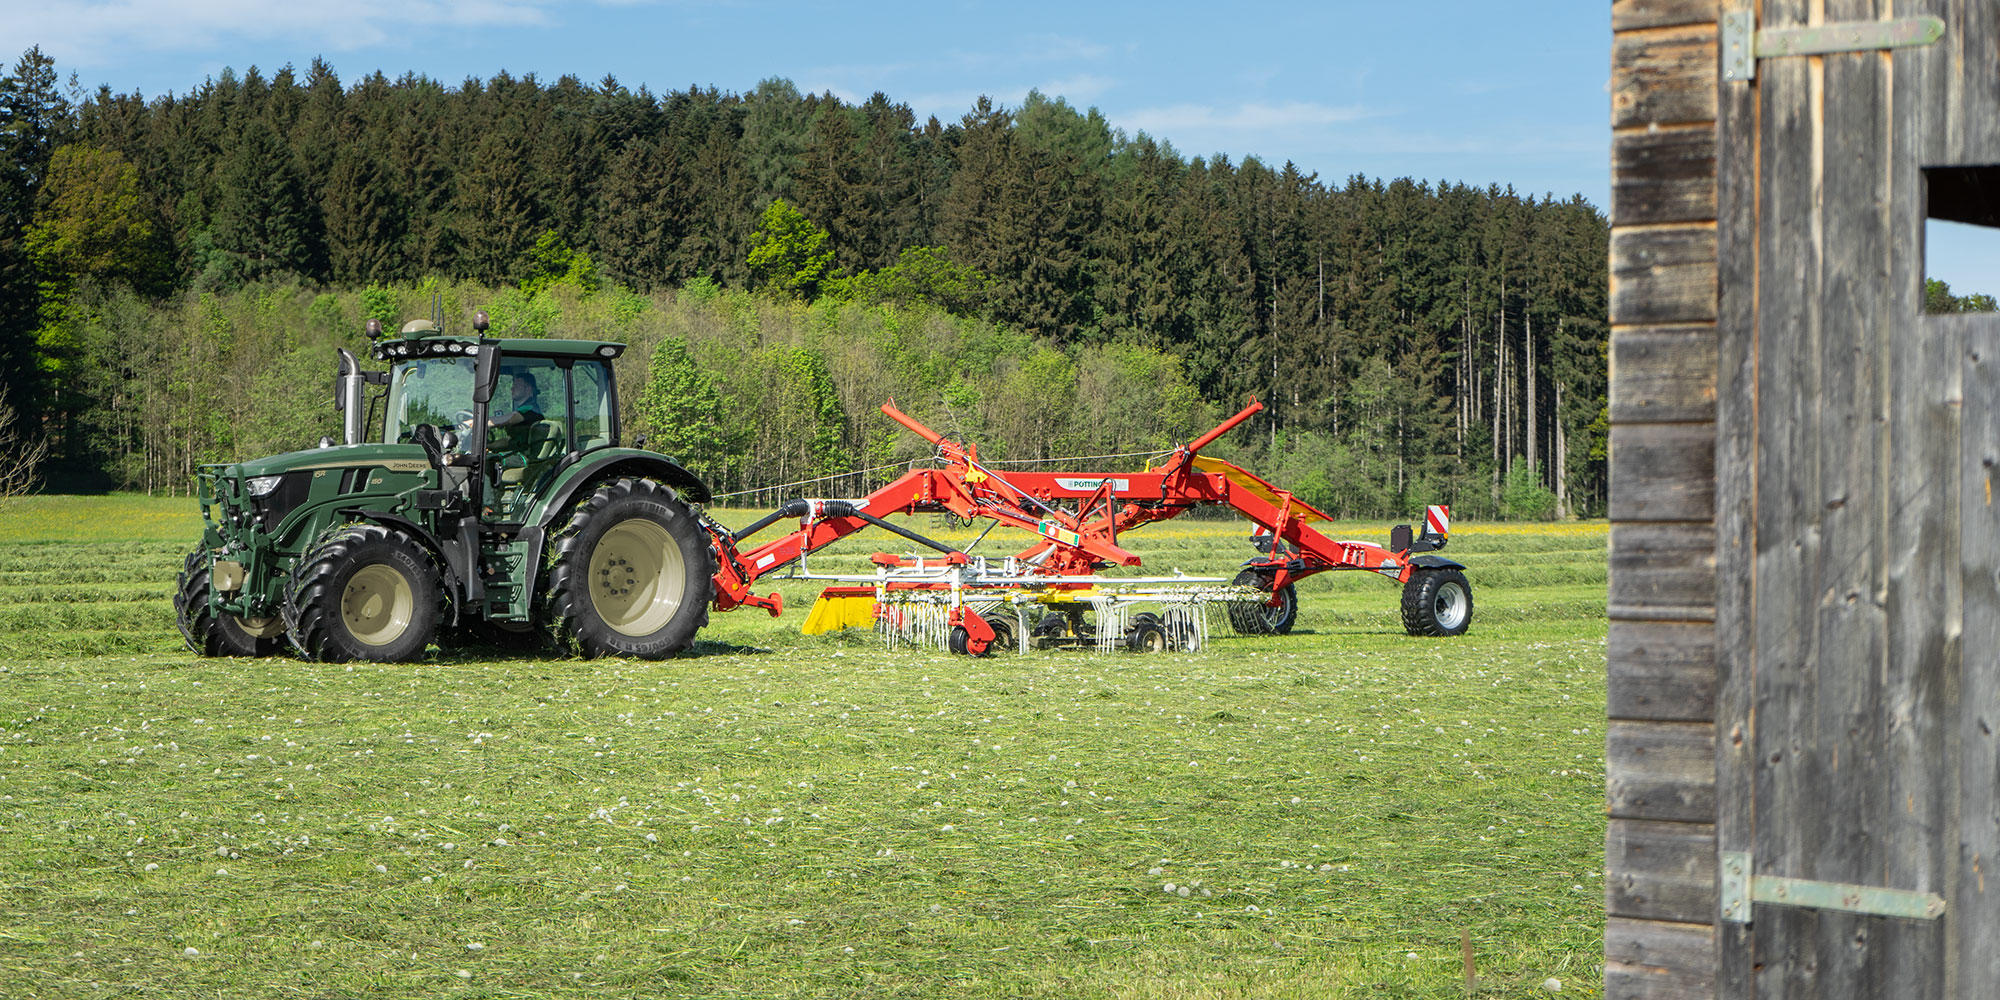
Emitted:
<point x="516" y="411"/>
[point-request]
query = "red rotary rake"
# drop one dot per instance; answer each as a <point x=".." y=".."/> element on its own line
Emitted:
<point x="962" y="601"/>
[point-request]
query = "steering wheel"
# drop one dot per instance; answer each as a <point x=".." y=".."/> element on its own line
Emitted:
<point x="463" y="418"/>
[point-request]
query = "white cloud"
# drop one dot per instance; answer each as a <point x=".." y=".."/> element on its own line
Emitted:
<point x="1249" y="117"/>
<point x="80" y="32"/>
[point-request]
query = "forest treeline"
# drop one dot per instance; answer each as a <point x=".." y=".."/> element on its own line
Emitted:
<point x="174" y="271"/>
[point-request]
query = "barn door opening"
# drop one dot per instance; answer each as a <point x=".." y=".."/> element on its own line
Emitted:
<point x="1961" y="239"/>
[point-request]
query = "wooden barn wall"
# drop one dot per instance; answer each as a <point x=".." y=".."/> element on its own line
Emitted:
<point x="1660" y="752"/>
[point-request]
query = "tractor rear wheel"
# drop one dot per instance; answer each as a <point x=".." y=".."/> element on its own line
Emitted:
<point x="210" y="634"/>
<point x="1259" y="618"/>
<point x="633" y="573"/>
<point x="1437" y="602"/>
<point x="367" y="593"/>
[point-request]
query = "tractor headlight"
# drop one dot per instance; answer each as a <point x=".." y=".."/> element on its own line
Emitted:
<point x="262" y="485"/>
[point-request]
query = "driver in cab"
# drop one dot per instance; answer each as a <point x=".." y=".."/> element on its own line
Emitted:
<point x="527" y="406"/>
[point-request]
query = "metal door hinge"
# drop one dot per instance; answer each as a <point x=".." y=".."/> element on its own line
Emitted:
<point x="1741" y="888"/>
<point x="1743" y="43"/>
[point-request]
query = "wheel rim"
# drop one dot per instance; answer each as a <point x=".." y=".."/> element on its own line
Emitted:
<point x="261" y="628"/>
<point x="377" y="605"/>
<point x="1275" y="616"/>
<point x="637" y="578"/>
<point x="1450" y="607"/>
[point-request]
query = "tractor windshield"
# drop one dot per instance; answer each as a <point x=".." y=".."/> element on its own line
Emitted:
<point x="429" y="391"/>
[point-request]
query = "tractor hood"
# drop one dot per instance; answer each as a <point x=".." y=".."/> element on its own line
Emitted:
<point x="394" y="457"/>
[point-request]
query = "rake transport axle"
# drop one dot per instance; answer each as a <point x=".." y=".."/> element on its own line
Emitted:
<point x="1077" y="520"/>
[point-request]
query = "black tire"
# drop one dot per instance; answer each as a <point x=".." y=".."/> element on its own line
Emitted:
<point x="960" y="641"/>
<point x="633" y="573"/>
<point x="210" y="634"/>
<point x="366" y="593"/>
<point x="1437" y="602"/>
<point x="1258" y="618"/>
<point x="1003" y="633"/>
<point x="1146" y="637"/>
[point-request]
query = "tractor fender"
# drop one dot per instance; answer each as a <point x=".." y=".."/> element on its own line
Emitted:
<point x="455" y="567"/>
<point x="1434" y="562"/>
<point x="609" y="464"/>
<point x="603" y="467"/>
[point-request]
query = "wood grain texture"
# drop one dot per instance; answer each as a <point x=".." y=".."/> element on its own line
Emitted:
<point x="1663" y="374"/>
<point x="1663" y="275"/>
<point x="1975" y="899"/>
<point x="1630" y="15"/>
<point x="1663" y="175"/>
<point x="1660" y="871"/>
<point x="1969" y="133"/>
<point x="1663" y="472"/>
<point x="1662" y="572"/>
<point x="1922" y="600"/>
<point x="1651" y="960"/>
<point x="1663" y="76"/>
<point x="1661" y="671"/>
<point x="1784" y="630"/>
<point x="1735" y="469"/>
<point x="1660" y="771"/>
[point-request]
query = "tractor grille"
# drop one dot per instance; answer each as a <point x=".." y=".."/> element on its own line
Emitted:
<point x="272" y="507"/>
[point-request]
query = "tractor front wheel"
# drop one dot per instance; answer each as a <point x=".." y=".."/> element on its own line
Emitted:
<point x="633" y="573"/>
<point x="1437" y="602"/>
<point x="1258" y="617"/>
<point x="211" y="634"/>
<point x="367" y="593"/>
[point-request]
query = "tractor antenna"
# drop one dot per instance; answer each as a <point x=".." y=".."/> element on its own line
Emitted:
<point x="437" y="309"/>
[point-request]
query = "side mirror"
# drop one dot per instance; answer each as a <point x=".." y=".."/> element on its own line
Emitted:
<point x="485" y="367"/>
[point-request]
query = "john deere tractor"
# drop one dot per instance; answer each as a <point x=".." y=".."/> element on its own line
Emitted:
<point x="491" y="498"/>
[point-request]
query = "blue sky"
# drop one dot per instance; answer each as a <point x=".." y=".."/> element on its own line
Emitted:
<point x="1476" y="92"/>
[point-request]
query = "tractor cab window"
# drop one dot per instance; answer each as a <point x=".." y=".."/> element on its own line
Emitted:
<point x="531" y="430"/>
<point x="590" y="387"/>
<point x="435" y="391"/>
<point x="530" y="410"/>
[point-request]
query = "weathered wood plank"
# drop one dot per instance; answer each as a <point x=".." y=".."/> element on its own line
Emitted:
<point x="1662" y="572"/>
<point x="1920" y="678"/>
<point x="1647" y="960"/>
<point x="1631" y="15"/>
<point x="1975" y="902"/>
<point x="1663" y="274"/>
<point x="1661" y="671"/>
<point x="1735" y="468"/>
<point x="1843" y="723"/>
<point x="1663" y="175"/>
<point x="1785" y="631"/>
<point x="1660" y="871"/>
<point x="1660" y="771"/>
<point x="1971" y="99"/>
<point x="1663" y="76"/>
<point x="1662" y="374"/>
<point x="1663" y="472"/>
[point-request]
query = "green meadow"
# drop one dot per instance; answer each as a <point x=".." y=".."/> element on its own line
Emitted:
<point x="1336" y="812"/>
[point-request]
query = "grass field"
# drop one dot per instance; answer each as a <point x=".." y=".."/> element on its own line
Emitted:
<point x="1314" y="815"/>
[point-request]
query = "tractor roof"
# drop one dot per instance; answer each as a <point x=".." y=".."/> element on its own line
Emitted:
<point x="429" y="344"/>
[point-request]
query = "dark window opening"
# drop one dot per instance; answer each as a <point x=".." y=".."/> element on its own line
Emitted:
<point x="1961" y="239"/>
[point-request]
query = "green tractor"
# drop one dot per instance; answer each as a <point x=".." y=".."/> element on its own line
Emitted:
<point x="492" y="499"/>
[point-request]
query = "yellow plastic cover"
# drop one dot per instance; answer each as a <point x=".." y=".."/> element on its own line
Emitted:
<point x="1258" y="487"/>
<point x="831" y="614"/>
